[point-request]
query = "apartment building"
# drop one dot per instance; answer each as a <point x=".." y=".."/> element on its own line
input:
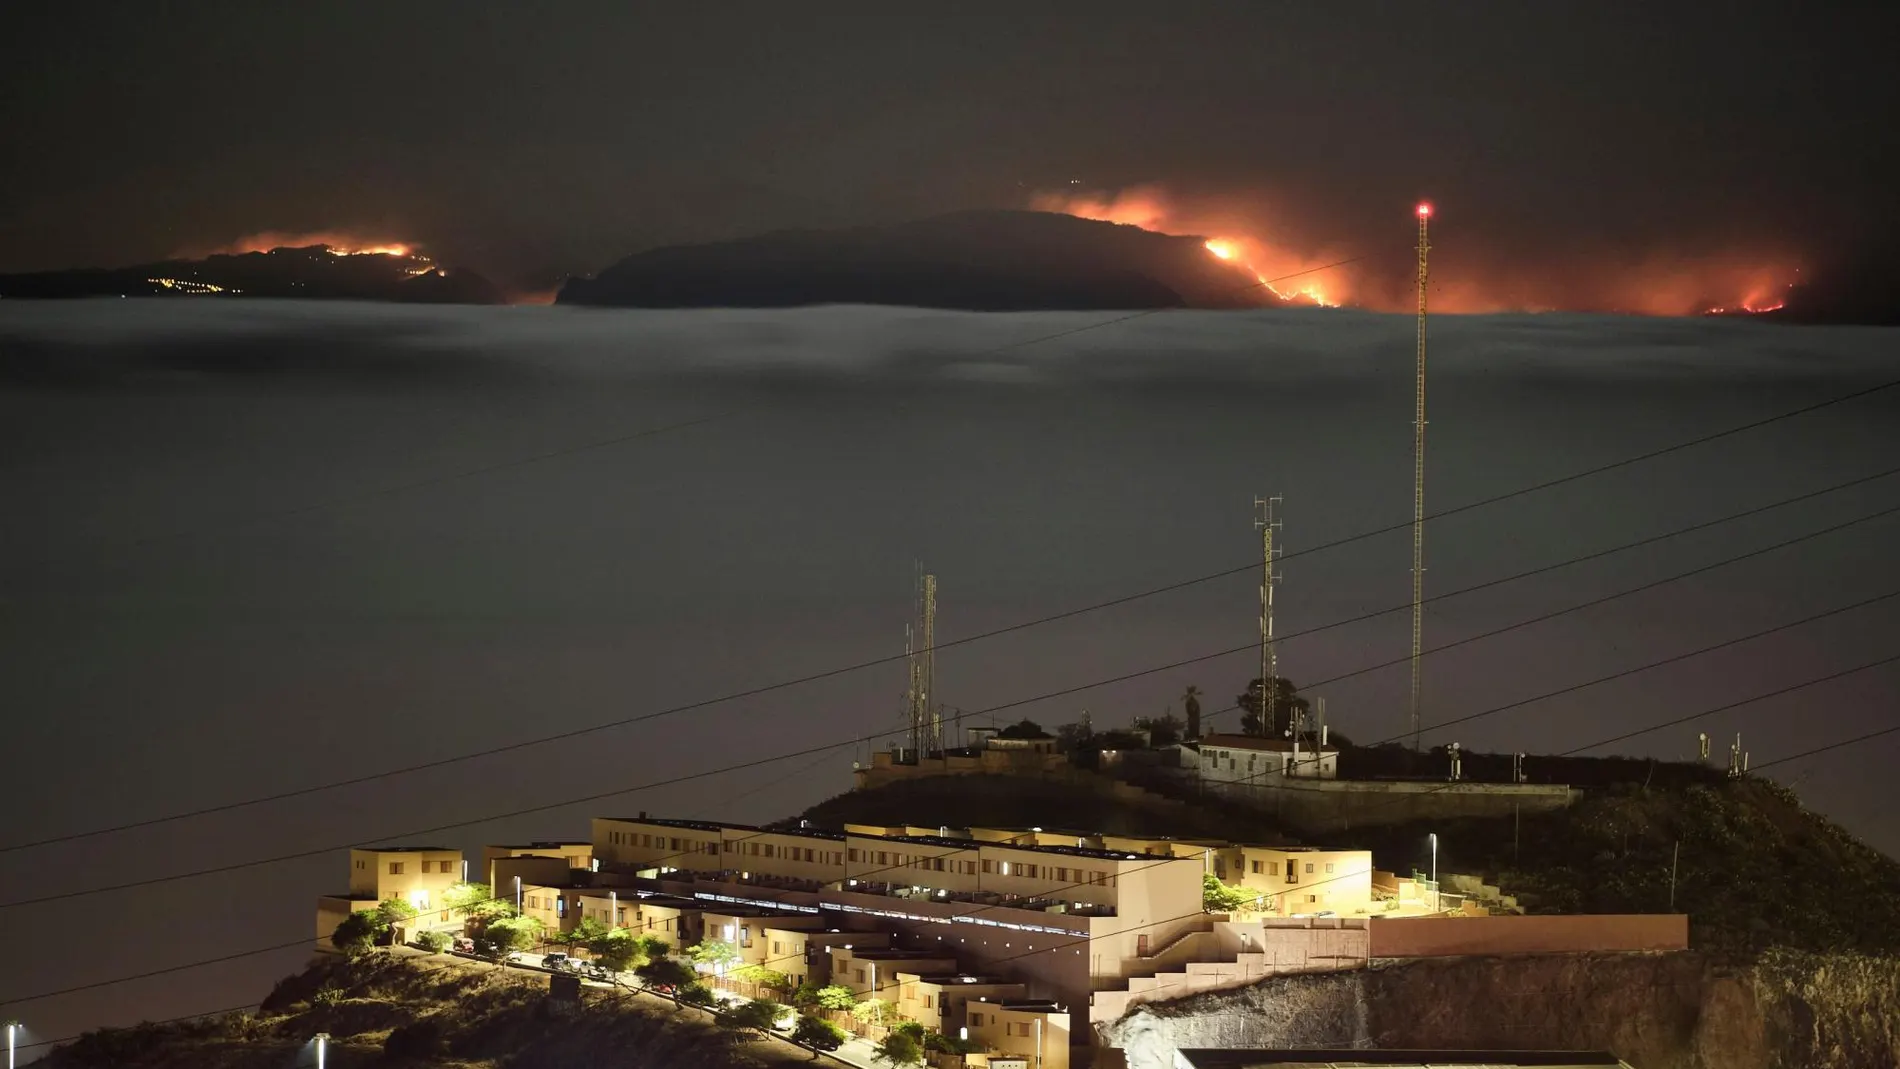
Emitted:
<point x="873" y="973"/>
<point x="415" y="874"/>
<point x="1300" y="880"/>
<point x="802" y="858"/>
<point x="1037" y="1033"/>
<point x="1238" y="760"/>
<point x="747" y="928"/>
<point x="940" y="1001"/>
<point x="571" y="855"/>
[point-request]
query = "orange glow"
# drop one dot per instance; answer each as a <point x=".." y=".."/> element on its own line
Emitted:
<point x="1258" y="234"/>
<point x="338" y="243"/>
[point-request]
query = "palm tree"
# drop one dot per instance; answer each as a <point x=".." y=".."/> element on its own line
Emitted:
<point x="1191" y="703"/>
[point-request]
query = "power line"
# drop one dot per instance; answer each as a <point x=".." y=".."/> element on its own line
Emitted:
<point x="835" y="744"/>
<point x="980" y="636"/>
<point x="1758" y="697"/>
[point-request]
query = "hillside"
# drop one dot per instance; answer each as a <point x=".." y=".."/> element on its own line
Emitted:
<point x="486" y="1018"/>
<point x="1018" y="802"/>
<point x="978" y="261"/>
<point x="1755" y="871"/>
<point x="316" y="272"/>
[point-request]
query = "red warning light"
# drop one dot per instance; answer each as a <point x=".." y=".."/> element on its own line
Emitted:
<point x="1424" y="210"/>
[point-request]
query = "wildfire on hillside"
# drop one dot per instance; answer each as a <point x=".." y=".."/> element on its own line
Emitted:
<point x="337" y="243"/>
<point x="1659" y="285"/>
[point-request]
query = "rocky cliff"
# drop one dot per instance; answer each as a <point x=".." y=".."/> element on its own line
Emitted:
<point x="1679" y="1011"/>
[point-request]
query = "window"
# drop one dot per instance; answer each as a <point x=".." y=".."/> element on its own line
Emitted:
<point x="361" y="863"/>
<point x="989" y="866"/>
<point x="926" y="1002"/>
<point x="1309" y="868"/>
<point x="1329" y="866"/>
<point x="778" y="947"/>
<point x="859" y="973"/>
<point x="976" y="1019"/>
<point x="1312" y="898"/>
<point x="395" y="868"/>
<point x="1256" y="868"/>
<point x="1273" y="868"/>
<point x="853" y="853"/>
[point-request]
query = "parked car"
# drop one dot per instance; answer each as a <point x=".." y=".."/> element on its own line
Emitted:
<point x="594" y="970"/>
<point x="556" y="961"/>
<point x="463" y="945"/>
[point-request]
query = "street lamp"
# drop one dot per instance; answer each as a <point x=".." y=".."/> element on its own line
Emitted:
<point x="13" y="1032"/>
<point x="323" y="1042"/>
<point x="1434" y="836"/>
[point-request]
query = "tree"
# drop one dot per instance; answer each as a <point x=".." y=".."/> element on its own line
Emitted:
<point x="1282" y="704"/>
<point x="476" y="901"/>
<point x="942" y="1044"/>
<point x="1023" y="729"/>
<point x="818" y="1034"/>
<point x="1218" y="897"/>
<point x="357" y="934"/>
<point x="761" y="976"/>
<point x="758" y="1014"/>
<point x="1191" y="705"/>
<point x="871" y="1011"/>
<point x="694" y="994"/>
<point x="505" y="935"/>
<point x="1075" y="736"/>
<point x="898" y="1048"/>
<point x="715" y="952"/>
<point x="836" y="997"/>
<point x="617" y="950"/>
<point x="393" y="911"/>
<point x="584" y="934"/>
<point x="666" y="973"/>
<point x="652" y="947"/>
<point x="913" y="1029"/>
<point x="433" y="942"/>
<point x="1163" y="730"/>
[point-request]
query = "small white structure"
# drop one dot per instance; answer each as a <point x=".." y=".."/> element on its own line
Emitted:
<point x="1254" y="759"/>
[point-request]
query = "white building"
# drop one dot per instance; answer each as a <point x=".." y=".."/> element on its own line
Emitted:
<point x="1252" y="759"/>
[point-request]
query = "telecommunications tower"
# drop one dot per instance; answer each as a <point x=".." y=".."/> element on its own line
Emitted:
<point x="926" y="717"/>
<point x="1418" y="472"/>
<point x="1269" y="655"/>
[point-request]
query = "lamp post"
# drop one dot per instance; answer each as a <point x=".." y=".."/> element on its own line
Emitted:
<point x="1434" y="836"/>
<point x="13" y="1031"/>
<point x="323" y="1041"/>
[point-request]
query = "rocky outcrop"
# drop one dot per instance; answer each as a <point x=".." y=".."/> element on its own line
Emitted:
<point x="1664" y="1011"/>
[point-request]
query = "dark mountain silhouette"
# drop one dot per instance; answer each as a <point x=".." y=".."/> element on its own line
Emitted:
<point x="976" y="260"/>
<point x="314" y="272"/>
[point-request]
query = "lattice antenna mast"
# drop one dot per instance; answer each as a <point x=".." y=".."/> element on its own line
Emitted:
<point x="1269" y="654"/>
<point x="913" y="665"/>
<point x="932" y="713"/>
<point x="1418" y="473"/>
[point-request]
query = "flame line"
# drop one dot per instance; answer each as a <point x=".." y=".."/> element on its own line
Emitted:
<point x="1268" y="282"/>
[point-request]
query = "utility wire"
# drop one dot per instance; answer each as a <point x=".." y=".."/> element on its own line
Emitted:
<point x="1301" y="887"/>
<point x="810" y="751"/>
<point x="980" y="636"/>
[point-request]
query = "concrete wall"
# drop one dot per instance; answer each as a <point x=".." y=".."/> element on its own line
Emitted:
<point x="1236" y="954"/>
<point x="1426" y="937"/>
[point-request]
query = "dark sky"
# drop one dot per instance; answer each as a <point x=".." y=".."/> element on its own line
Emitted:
<point x="533" y="140"/>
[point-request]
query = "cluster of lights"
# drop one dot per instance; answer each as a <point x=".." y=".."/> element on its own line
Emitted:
<point x="183" y="285"/>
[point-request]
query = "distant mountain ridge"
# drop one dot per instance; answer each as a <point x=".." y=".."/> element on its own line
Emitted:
<point x="311" y="272"/>
<point x="991" y="261"/>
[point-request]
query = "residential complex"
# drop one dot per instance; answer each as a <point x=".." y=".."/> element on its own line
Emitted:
<point x="1025" y="940"/>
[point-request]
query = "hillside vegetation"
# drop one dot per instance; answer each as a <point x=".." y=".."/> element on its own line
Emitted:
<point x="465" y="1016"/>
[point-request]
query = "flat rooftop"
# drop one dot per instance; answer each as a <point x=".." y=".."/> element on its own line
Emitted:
<point x="974" y="844"/>
<point x="550" y="844"/>
<point x="706" y="825"/>
<point x="407" y="849"/>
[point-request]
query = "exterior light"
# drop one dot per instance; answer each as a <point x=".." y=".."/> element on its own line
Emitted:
<point x="323" y="1042"/>
<point x="964" y="1034"/>
<point x="1424" y="210"/>
<point x="13" y="1033"/>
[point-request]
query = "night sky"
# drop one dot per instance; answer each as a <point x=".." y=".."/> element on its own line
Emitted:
<point x="255" y="546"/>
<point x="1589" y="145"/>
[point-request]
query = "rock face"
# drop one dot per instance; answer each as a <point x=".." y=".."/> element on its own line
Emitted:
<point x="1670" y="1011"/>
<point x="978" y="261"/>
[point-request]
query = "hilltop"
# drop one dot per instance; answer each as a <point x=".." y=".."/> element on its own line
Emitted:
<point x="484" y="1018"/>
<point x="1755" y="870"/>
<point x="975" y="260"/>
<point x="316" y="272"/>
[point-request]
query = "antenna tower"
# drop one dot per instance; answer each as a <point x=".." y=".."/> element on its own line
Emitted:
<point x="1269" y="655"/>
<point x="926" y="718"/>
<point x="1418" y="472"/>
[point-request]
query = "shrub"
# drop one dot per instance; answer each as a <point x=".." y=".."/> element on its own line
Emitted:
<point x="818" y="1034"/>
<point x="417" y="1039"/>
<point x="433" y="942"/>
